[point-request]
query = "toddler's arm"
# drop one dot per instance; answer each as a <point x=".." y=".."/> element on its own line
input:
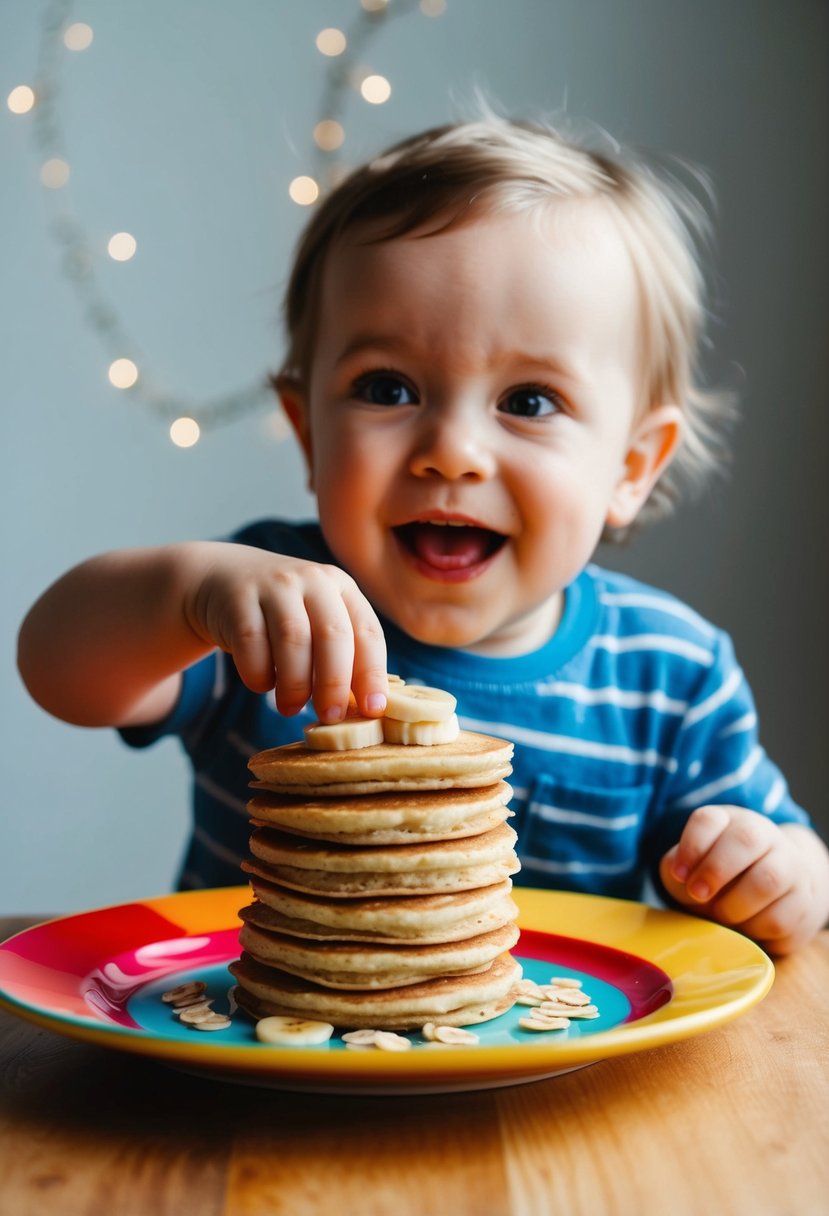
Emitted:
<point x="737" y="867"/>
<point x="106" y="644"/>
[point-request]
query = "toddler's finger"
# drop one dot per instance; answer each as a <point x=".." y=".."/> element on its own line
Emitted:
<point x="703" y="828"/>
<point x="247" y="640"/>
<point x="783" y="926"/>
<point x="332" y="636"/>
<point x="674" y="888"/>
<point x="369" y="680"/>
<point x="759" y="886"/>
<point x="746" y="839"/>
<point x="289" y="639"/>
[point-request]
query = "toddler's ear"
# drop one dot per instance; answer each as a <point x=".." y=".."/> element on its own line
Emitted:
<point x="294" y="404"/>
<point x="652" y="447"/>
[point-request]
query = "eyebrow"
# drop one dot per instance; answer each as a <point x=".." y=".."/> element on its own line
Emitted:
<point x="395" y="344"/>
<point x="375" y="342"/>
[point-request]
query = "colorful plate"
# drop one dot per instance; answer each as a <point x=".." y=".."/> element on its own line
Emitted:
<point x="655" y="977"/>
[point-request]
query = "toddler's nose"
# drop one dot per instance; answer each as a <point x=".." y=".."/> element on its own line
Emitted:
<point x="453" y="448"/>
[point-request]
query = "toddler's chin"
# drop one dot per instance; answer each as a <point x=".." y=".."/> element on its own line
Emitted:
<point x="438" y="629"/>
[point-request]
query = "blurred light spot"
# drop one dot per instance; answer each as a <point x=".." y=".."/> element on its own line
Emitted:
<point x="123" y="373"/>
<point x="374" y="6"/>
<point x="304" y="190"/>
<point x="54" y="173"/>
<point x="433" y="8"/>
<point x="375" y="89"/>
<point x="122" y="246"/>
<point x="78" y="36"/>
<point x="331" y="42"/>
<point x="184" y="432"/>
<point x="276" y="426"/>
<point x="21" y="99"/>
<point x="328" y="135"/>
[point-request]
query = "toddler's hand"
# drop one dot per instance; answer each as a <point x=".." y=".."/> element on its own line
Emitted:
<point x="737" y="867"/>
<point x="301" y="627"/>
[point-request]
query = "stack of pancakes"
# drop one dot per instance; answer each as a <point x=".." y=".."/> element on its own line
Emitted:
<point x="381" y="878"/>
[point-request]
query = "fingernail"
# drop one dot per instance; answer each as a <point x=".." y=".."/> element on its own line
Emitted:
<point x="680" y="872"/>
<point x="699" y="890"/>
<point x="333" y="714"/>
<point x="375" y="701"/>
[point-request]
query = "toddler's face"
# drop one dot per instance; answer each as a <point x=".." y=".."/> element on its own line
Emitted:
<point x="470" y="416"/>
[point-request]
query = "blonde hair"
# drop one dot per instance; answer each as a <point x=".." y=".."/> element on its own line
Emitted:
<point x="449" y="175"/>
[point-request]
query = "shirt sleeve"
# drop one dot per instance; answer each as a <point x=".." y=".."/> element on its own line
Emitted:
<point x="197" y="695"/>
<point x="719" y="759"/>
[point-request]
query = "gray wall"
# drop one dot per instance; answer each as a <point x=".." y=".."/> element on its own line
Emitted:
<point x="183" y="123"/>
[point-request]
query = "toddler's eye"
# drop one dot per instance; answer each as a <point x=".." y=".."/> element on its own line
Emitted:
<point x="531" y="402"/>
<point x="383" y="388"/>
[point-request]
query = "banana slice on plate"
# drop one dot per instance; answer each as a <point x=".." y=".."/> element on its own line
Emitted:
<point x="455" y="1035"/>
<point x="417" y="703"/>
<point x="425" y="734"/>
<point x="344" y="736"/>
<point x="292" y="1032"/>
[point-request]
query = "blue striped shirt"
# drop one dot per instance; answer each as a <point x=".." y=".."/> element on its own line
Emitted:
<point x="630" y="717"/>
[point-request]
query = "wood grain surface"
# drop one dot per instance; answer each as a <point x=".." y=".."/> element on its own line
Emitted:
<point x="732" y="1123"/>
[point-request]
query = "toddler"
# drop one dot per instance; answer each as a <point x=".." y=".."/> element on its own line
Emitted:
<point x="493" y="336"/>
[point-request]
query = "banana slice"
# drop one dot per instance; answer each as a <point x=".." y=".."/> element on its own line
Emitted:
<point x="455" y="1035"/>
<point x="292" y="1032"/>
<point x="387" y="1040"/>
<point x="344" y="736"/>
<point x="361" y="1038"/>
<point x="423" y="733"/>
<point x="417" y="703"/>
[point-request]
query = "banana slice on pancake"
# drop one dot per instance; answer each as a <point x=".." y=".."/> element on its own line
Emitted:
<point x="351" y="733"/>
<point x="418" y="703"/>
<point x="423" y="734"/>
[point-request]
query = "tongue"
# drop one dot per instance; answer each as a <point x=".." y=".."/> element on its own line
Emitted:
<point x="449" y="548"/>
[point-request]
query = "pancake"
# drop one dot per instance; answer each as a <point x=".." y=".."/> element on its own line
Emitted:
<point x="343" y="871"/>
<point x="474" y="826"/>
<point x="350" y="966"/>
<point x="390" y="818"/>
<point x="275" y="849"/>
<point x="453" y="1001"/>
<point x="426" y="918"/>
<point x="368" y="883"/>
<point x="469" y="761"/>
<point x="464" y="1015"/>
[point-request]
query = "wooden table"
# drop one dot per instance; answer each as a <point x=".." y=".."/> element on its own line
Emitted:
<point x="732" y="1123"/>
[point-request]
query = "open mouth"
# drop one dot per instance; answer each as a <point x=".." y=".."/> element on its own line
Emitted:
<point x="449" y="549"/>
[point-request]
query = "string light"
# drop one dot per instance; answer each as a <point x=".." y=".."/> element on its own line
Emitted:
<point x="329" y="135"/>
<point x="375" y="89"/>
<point x="122" y="246"/>
<point x="331" y="42"/>
<point x="54" y="173"/>
<point x="304" y="190"/>
<point x="123" y="373"/>
<point x="78" y="36"/>
<point x="345" y="74"/>
<point x="21" y="99"/>
<point x="184" y="432"/>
